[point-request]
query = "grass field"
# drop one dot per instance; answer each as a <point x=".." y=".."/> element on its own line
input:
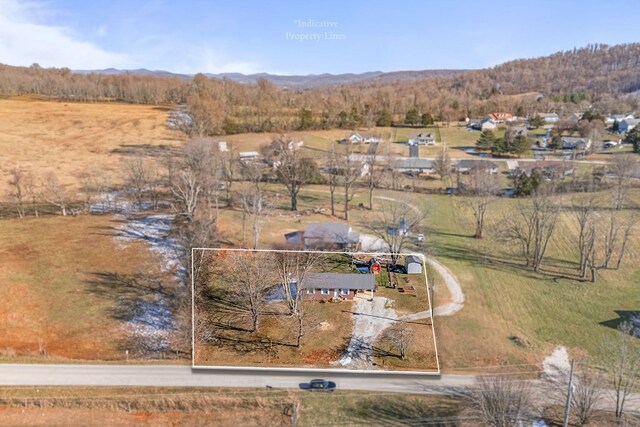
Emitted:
<point x="55" y="302"/>
<point x="72" y="139"/>
<point x="219" y="407"/>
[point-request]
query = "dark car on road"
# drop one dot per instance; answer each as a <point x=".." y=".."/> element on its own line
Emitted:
<point x="320" y="385"/>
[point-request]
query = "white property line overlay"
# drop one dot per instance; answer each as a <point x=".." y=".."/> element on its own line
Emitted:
<point x="319" y="370"/>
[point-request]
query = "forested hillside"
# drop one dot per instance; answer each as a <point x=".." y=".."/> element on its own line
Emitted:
<point x="600" y="77"/>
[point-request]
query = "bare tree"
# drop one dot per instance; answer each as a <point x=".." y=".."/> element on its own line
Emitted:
<point x="18" y="191"/>
<point x="375" y="171"/>
<point x="293" y="170"/>
<point x="481" y="187"/>
<point x="499" y="401"/>
<point x="249" y="277"/>
<point x="443" y="164"/>
<point x="621" y="167"/>
<point x="399" y="337"/>
<point x="55" y="193"/>
<point x="395" y="222"/>
<point x="586" y="216"/>
<point x="33" y="191"/>
<point x="532" y="225"/>
<point x="187" y="189"/>
<point x="349" y="170"/>
<point x="292" y="267"/>
<point x="332" y="178"/>
<point x="255" y="200"/>
<point x="624" y="361"/>
<point x="587" y="390"/>
<point x="137" y="175"/>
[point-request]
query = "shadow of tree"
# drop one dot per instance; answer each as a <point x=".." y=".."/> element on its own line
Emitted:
<point x="410" y="411"/>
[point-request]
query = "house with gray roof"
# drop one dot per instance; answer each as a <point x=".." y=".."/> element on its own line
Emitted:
<point x="414" y="165"/>
<point x="467" y="165"/>
<point x="325" y="236"/>
<point x="322" y="286"/>
<point x="422" y="138"/>
<point x="575" y="143"/>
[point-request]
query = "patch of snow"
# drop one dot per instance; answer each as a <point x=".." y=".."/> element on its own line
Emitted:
<point x="118" y="203"/>
<point x="635" y="325"/>
<point x="557" y="364"/>
<point x="151" y="325"/>
<point x="154" y="229"/>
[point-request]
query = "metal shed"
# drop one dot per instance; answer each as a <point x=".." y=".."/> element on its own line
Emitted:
<point x="413" y="264"/>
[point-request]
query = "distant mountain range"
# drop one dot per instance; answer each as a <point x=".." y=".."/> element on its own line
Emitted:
<point x="309" y="81"/>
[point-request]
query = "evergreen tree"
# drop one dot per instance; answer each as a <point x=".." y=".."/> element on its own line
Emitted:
<point x="384" y="120"/>
<point x="486" y="141"/>
<point x="427" y="119"/>
<point x="520" y="145"/>
<point x="412" y="117"/>
<point x="306" y="119"/>
<point x="633" y="137"/>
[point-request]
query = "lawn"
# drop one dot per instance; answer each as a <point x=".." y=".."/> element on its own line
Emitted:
<point x="56" y="301"/>
<point x="503" y="300"/>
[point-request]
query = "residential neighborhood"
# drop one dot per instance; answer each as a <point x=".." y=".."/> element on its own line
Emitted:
<point x="291" y="214"/>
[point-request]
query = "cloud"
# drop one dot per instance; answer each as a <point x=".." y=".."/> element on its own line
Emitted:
<point x="24" y="41"/>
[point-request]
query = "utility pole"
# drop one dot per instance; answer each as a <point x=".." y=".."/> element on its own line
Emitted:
<point x="567" y="409"/>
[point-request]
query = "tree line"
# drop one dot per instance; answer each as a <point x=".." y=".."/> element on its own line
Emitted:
<point x="607" y="75"/>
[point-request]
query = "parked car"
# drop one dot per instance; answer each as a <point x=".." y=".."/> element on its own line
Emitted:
<point x="420" y="238"/>
<point x="321" y="385"/>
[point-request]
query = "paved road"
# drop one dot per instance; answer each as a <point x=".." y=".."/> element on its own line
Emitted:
<point x="185" y="376"/>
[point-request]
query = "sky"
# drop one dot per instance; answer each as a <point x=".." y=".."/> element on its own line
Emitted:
<point x="302" y="37"/>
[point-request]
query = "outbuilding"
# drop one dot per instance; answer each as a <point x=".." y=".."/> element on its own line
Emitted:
<point x="413" y="264"/>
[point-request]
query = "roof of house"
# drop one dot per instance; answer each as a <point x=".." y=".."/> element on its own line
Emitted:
<point x="333" y="232"/>
<point x="543" y="115"/>
<point x="422" y="135"/>
<point x="414" y="163"/>
<point x="632" y="122"/>
<point x="338" y="281"/>
<point x="574" y="140"/>
<point x="470" y="164"/>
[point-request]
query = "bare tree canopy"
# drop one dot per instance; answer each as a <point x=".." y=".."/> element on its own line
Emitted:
<point x="499" y="401"/>
<point x="293" y="169"/>
<point x="479" y="188"/>
<point x="532" y="224"/>
<point x="624" y="362"/>
<point x="395" y="222"/>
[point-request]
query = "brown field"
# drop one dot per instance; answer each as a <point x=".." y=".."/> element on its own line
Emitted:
<point x="72" y="139"/>
<point x="56" y="302"/>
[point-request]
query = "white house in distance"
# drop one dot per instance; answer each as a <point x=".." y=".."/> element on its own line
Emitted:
<point x="358" y="138"/>
<point x="612" y="118"/>
<point x="248" y="155"/>
<point x="483" y="124"/>
<point x="627" y="125"/>
<point x="422" y="139"/>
